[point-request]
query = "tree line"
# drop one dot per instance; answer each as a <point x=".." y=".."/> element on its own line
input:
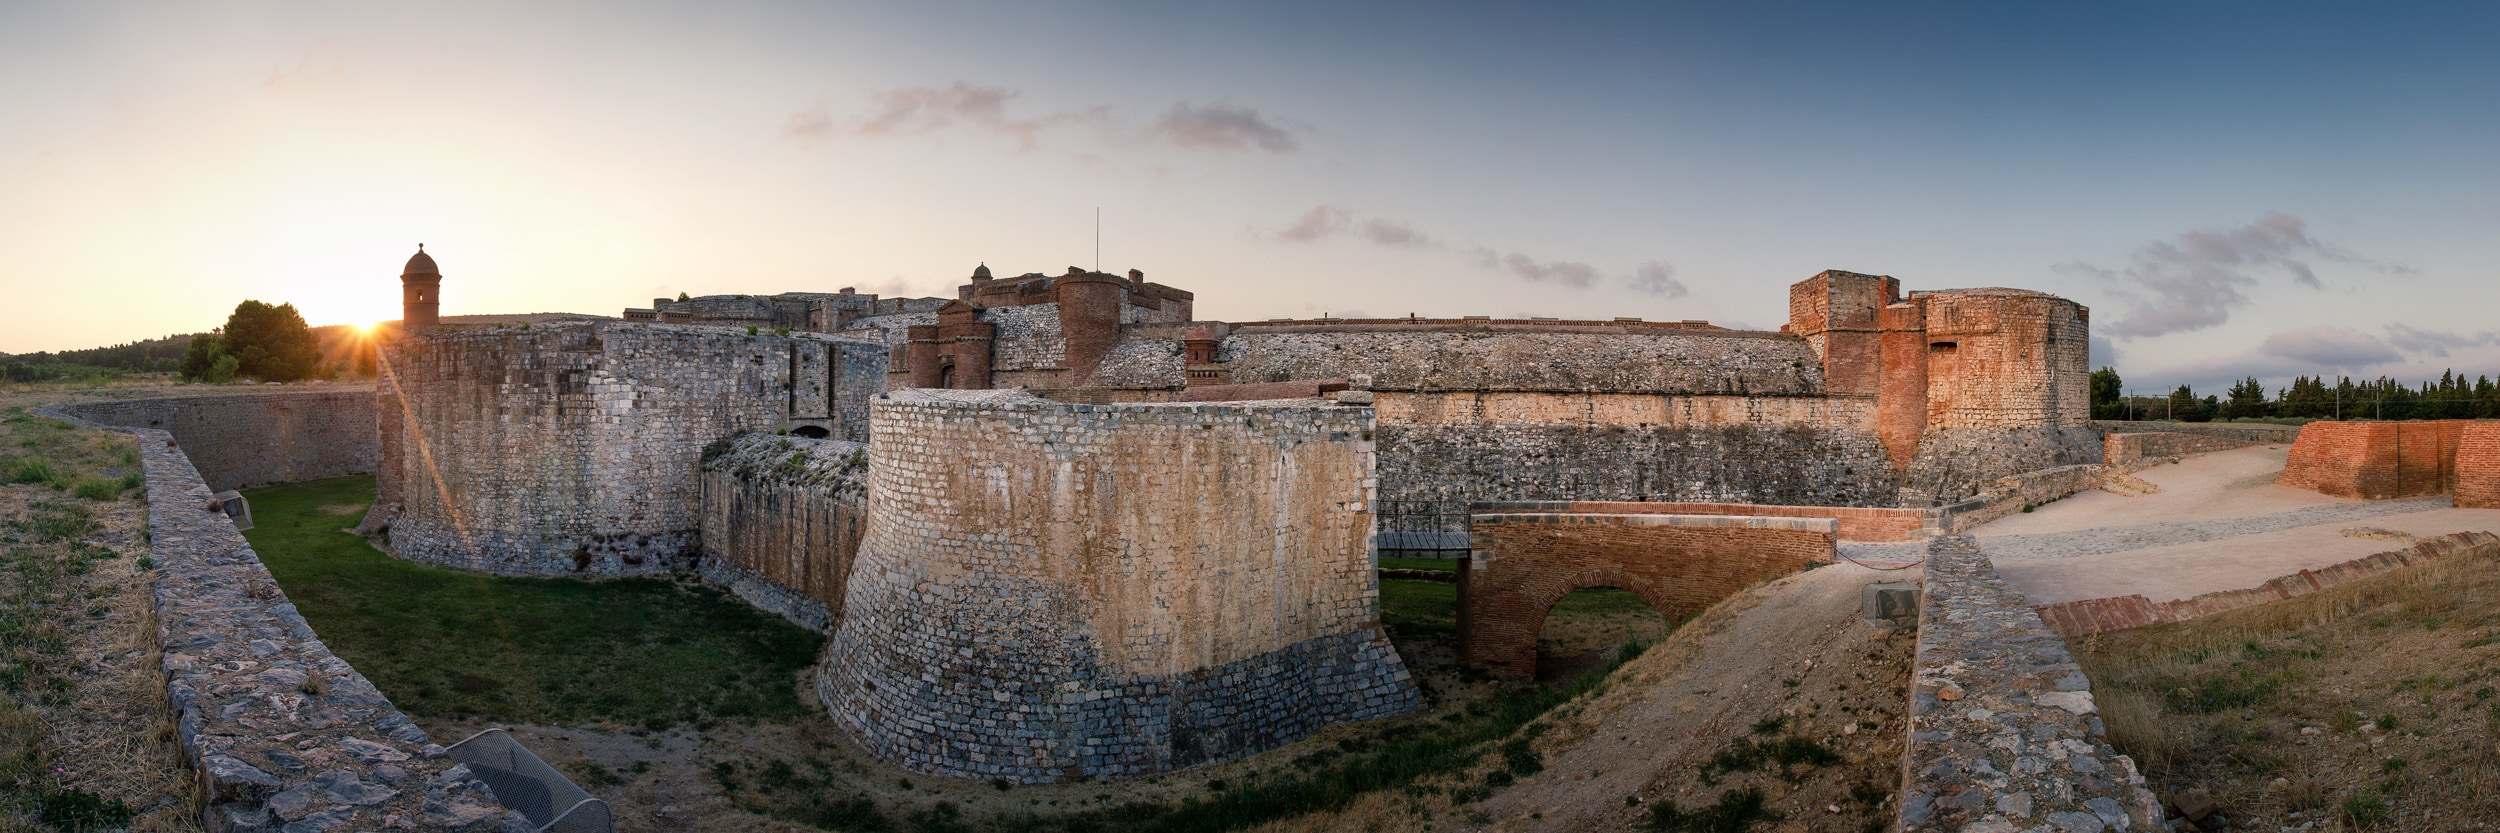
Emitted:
<point x="2308" y="397"/>
<point x="260" y="342"/>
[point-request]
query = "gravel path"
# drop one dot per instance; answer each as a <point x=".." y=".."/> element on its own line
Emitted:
<point x="2124" y="538"/>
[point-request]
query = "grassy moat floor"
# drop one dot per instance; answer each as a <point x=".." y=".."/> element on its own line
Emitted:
<point x="689" y="710"/>
<point x="2373" y="705"/>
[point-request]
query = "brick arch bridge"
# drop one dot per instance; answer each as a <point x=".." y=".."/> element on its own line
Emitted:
<point x="1522" y="564"/>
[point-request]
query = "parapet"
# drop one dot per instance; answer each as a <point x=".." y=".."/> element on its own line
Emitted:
<point x="1052" y="592"/>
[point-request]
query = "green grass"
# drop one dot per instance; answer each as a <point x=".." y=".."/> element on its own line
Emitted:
<point x="1419" y="609"/>
<point x="449" y="644"/>
<point x="1445" y="564"/>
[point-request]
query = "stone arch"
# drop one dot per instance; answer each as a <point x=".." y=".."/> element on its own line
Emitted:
<point x="1523" y="564"/>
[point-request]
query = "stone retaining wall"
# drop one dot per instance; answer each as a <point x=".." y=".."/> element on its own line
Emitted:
<point x="782" y="518"/>
<point x="2008" y="495"/>
<point x="239" y="441"/>
<point x="1053" y="592"/>
<point x="282" y="733"/>
<point x="2084" y="617"/>
<point x="2135" y="451"/>
<point x="2003" y="732"/>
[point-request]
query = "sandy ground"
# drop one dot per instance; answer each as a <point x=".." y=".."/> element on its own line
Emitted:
<point x="1839" y="682"/>
<point x="2213" y="527"/>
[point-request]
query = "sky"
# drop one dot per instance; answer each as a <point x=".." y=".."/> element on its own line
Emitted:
<point x="2233" y="189"/>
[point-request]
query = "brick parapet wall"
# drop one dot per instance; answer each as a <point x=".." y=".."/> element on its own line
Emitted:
<point x="1854" y="523"/>
<point x="1521" y="564"/>
<point x="2478" y="466"/>
<point x="2004" y="734"/>
<point x="2135" y="451"/>
<point x="2375" y="460"/>
<point x="279" y="731"/>
<point x="255" y="439"/>
<point x="782" y="517"/>
<point x="2085" y="617"/>
<point x="575" y="449"/>
<point x="1048" y="591"/>
<point x="2019" y="359"/>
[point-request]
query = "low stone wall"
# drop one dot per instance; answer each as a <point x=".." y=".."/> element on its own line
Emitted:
<point x="2135" y="451"/>
<point x="1523" y="563"/>
<point x="2003" y="735"/>
<point x="2085" y="617"/>
<point x="281" y="733"/>
<point x="2375" y="460"/>
<point x="1855" y="523"/>
<point x="2008" y="495"/>
<point x="1053" y="592"/>
<point x="2478" y="466"/>
<point x="782" y="518"/>
<point x="243" y="440"/>
<point x="2251" y="432"/>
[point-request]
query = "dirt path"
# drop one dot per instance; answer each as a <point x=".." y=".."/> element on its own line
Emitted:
<point x="1830" y="680"/>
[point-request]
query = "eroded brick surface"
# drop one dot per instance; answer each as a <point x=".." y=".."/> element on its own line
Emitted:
<point x="2375" y="460"/>
<point x="2478" y="466"/>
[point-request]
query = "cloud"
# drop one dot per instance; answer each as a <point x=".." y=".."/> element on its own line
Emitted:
<point x="1222" y="127"/>
<point x="2308" y="351"/>
<point x="1323" y="222"/>
<point x="2104" y="353"/>
<point x="1657" y="277"/>
<point x="2195" y="280"/>
<point x="2434" y="342"/>
<point x="809" y="126"/>
<point x="1569" y="273"/>
<point x="2326" y="346"/>
<point x="925" y="109"/>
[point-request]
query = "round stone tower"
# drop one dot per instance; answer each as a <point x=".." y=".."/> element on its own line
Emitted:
<point x="421" y="293"/>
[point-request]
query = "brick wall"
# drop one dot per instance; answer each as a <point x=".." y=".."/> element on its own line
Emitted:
<point x="2478" y="466"/>
<point x="2006" y="358"/>
<point x="2375" y="460"/>
<point x="1048" y="591"/>
<point x="255" y="439"/>
<point x="1856" y="523"/>
<point x="1522" y="564"/>
<point x="782" y="518"/>
<point x="575" y="448"/>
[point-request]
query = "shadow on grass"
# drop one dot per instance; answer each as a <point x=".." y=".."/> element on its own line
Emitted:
<point x="447" y="644"/>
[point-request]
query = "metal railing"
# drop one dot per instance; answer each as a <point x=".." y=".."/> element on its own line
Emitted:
<point x="527" y="785"/>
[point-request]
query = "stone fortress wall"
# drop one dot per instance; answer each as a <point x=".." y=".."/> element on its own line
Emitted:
<point x="238" y="441"/>
<point x="575" y="448"/>
<point x="1049" y="591"/>
<point x="782" y="518"/>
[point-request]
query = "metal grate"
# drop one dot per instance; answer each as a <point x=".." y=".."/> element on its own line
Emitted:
<point x="527" y="785"/>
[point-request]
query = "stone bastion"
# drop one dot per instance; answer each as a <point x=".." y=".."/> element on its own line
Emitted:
<point x="1053" y="592"/>
<point x="576" y="448"/>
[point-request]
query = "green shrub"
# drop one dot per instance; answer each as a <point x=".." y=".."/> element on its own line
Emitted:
<point x="31" y="470"/>
<point x="97" y="488"/>
<point x="1735" y="812"/>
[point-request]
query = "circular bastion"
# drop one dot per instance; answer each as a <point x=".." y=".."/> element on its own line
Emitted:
<point x="1054" y="592"/>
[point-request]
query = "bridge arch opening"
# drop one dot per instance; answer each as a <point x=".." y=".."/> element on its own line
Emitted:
<point x="1587" y="627"/>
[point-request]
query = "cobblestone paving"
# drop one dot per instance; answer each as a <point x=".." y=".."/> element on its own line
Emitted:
<point x="2083" y="542"/>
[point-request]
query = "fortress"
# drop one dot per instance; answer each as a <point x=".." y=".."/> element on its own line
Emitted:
<point x="1059" y="528"/>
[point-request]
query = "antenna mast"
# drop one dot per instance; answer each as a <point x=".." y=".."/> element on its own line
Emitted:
<point x="1097" y="238"/>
